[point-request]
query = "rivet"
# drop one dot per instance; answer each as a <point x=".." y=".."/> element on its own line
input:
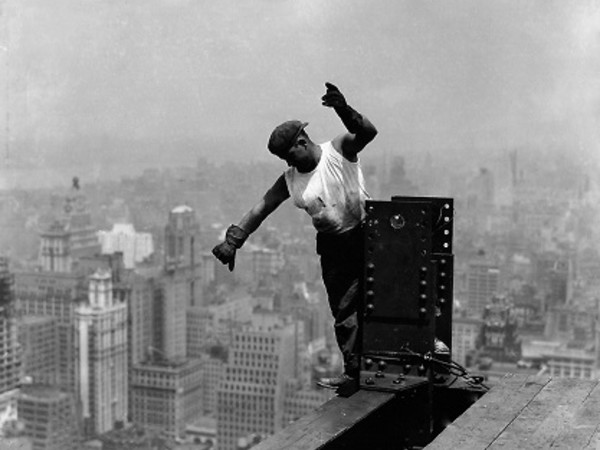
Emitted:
<point x="382" y="365"/>
<point x="421" y="369"/>
<point x="407" y="368"/>
<point x="379" y="374"/>
<point x="370" y="381"/>
<point x="423" y="311"/>
<point x="368" y="363"/>
<point x="399" y="380"/>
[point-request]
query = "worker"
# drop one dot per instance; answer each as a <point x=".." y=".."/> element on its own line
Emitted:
<point x="326" y="181"/>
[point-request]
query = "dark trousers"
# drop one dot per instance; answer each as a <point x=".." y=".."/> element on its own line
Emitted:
<point x="341" y="266"/>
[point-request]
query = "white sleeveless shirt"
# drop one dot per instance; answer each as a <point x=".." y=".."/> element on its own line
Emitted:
<point x="333" y="193"/>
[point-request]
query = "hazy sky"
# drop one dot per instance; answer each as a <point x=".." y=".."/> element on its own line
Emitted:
<point x="107" y="82"/>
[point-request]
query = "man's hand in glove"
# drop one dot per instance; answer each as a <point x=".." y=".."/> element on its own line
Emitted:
<point x="361" y="129"/>
<point x="351" y="119"/>
<point x="234" y="239"/>
<point x="225" y="252"/>
<point x="333" y="98"/>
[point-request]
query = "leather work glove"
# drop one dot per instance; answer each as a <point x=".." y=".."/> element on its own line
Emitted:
<point x="333" y="98"/>
<point x="234" y="239"/>
<point x="351" y="119"/>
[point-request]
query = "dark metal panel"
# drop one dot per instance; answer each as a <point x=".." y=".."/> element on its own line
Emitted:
<point x="399" y="278"/>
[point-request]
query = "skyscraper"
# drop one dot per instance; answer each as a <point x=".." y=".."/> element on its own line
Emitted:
<point x="55" y="295"/>
<point x="251" y="397"/>
<point x="39" y="340"/>
<point x="181" y="235"/>
<point x="166" y="395"/>
<point x="101" y="349"/>
<point x="179" y="286"/>
<point x="483" y="279"/>
<point x="10" y="350"/>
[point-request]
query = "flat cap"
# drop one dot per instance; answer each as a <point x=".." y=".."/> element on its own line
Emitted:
<point x="284" y="135"/>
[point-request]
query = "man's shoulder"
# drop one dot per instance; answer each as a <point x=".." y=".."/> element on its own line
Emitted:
<point x="337" y="145"/>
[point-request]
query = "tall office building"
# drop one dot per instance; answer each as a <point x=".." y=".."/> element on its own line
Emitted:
<point x="54" y="295"/>
<point x="134" y="245"/>
<point x="170" y="308"/>
<point x="166" y="396"/>
<point x="179" y="286"/>
<point x="39" y="340"/>
<point x="101" y="356"/>
<point x="181" y="239"/>
<point x="213" y="368"/>
<point x="251" y="397"/>
<point x="49" y="417"/>
<point x="482" y="285"/>
<point x="141" y="317"/>
<point x="10" y="350"/>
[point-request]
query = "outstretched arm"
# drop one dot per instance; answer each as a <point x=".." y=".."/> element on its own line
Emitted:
<point x="274" y="197"/>
<point x="361" y="130"/>
<point x="236" y="235"/>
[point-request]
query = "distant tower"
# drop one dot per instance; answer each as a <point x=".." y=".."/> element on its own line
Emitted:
<point x="181" y="235"/>
<point x="483" y="278"/>
<point x="179" y="287"/>
<point x="83" y="236"/>
<point x="481" y="190"/>
<point x="55" y="255"/>
<point x="71" y="235"/>
<point x="101" y="352"/>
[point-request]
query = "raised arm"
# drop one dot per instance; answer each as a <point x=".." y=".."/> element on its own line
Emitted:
<point x="236" y="235"/>
<point x="361" y="130"/>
